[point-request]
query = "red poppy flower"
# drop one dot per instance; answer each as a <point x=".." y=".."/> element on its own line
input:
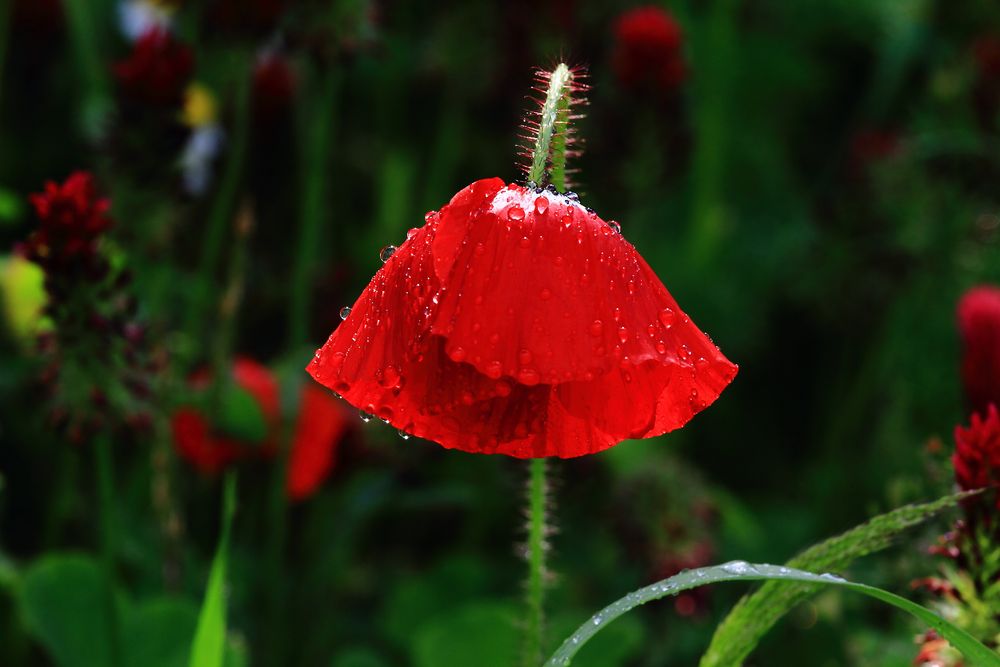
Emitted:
<point x="157" y="71"/>
<point x="648" y="49"/>
<point x="194" y="436"/>
<point x="320" y="427"/>
<point x="979" y="328"/>
<point x="977" y="453"/>
<point x="517" y="322"/>
<point x="71" y="216"/>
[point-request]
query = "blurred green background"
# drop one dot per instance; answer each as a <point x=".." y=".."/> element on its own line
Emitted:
<point x="816" y="191"/>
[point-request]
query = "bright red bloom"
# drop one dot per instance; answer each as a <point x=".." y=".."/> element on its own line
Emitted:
<point x="158" y="70"/>
<point x="977" y="453"/>
<point x="517" y="322"/>
<point x="194" y="437"/>
<point x="979" y="328"/>
<point x="72" y="217"/>
<point x="648" y="49"/>
<point x="321" y="426"/>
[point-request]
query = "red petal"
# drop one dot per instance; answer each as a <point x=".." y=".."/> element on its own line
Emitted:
<point x="321" y="425"/>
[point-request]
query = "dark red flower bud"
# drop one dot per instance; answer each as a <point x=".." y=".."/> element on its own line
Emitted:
<point x="979" y="329"/>
<point x="648" y="49"/>
<point x="977" y="453"/>
<point x="518" y="322"/>
<point x="71" y="219"/>
<point x="274" y="84"/>
<point x="158" y="70"/>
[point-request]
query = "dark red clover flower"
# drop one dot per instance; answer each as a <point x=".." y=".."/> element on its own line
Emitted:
<point x="158" y="70"/>
<point x="977" y="453"/>
<point x="72" y="218"/>
<point x="648" y="49"/>
<point x="979" y="329"/>
<point x="515" y="321"/>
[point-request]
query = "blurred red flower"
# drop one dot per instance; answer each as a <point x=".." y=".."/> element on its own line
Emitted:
<point x="986" y="85"/>
<point x="648" y="49"/>
<point x="320" y="427"/>
<point x="517" y="322"/>
<point x="72" y="217"/>
<point x="977" y="453"/>
<point x="158" y="70"/>
<point x="979" y="329"/>
<point x="274" y="84"/>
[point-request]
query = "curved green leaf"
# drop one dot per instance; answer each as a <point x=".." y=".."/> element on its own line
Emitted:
<point x="975" y="652"/>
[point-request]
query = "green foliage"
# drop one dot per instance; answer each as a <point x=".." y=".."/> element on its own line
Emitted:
<point x="62" y="602"/>
<point x="756" y="613"/>
<point x="977" y="654"/>
<point x="481" y="633"/>
<point x="209" y="646"/>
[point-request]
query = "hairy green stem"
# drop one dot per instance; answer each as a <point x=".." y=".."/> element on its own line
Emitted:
<point x="104" y="469"/>
<point x="222" y="207"/>
<point x="535" y="631"/>
<point x="551" y="123"/>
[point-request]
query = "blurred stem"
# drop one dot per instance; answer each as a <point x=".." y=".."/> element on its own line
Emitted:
<point x="5" y="10"/>
<point x="537" y="494"/>
<point x="552" y="119"/>
<point x="104" y="468"/>
<point x="85" y="37"/>
<point x="315" y="147"/>
<point x="229" y="305"/>
<point x="712" y="113"/>
<point x="223" y="205"/>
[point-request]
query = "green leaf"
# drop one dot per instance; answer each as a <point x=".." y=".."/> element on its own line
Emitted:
<point x="62" y="602"/>
<point x="481" y="634"/>
<point x="158" y="632"/>
<point x="975" y="652"/>
<point x="239" y="415"/>
<point x="756" y="613"/>
<point x="209" y="646"/>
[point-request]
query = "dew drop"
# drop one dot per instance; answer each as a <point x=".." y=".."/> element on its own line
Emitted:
<point x="411" y="232"/>
<point x="344" y="312"/>
<point x="667" y="316"/>
<point x="387" y="252"/>
<point x="528" y="376"/>
<point x="623" y="334"/>
<point x="661" y="347"/>
<point x="390" y="377"/>
<point x="494" y="370"/>
<point x="403" y="434"/>
<point x="615" y="227"/>
<point x="457" y="354"/>
<point x="515" y="213"/>
<point x="651" y="330"/>
<point x="524" y="357"/>
<point x="429" y="215"/>
<point x="738" y="567"/>
<point x="525" y="242"/>
<point x="365" y="416"/>
<point x="541" y="205"/>
<point x="503" y="388"/>
<point x="567" y="220"/>
<point x="617" y="313"/>
<point x="596" y="327"/>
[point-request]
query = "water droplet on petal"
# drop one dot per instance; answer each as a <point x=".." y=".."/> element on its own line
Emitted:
<point x="525" y="242"/>
<point x="623" y="334"/>
<point x="541" y="205"/>
<point x="386" y="252"/>
<point x="515" y="213"/>
<point x="390" y="377"/>
<point x="615" y="227"/>
<point x="667" y="316"/>
<point x="345" y="312"/>
<point x="596" y="327"/>
<point x="503" y="388"/>
<point x="365" y="416"/>
<point x="567" y="220"/>
<point x="494" y="370"/>
<point x="457" y="354"/>
<point x="403" y="434"/>
<point x="524" y="357"/>
<point x="429" y="215"/>
<point x="411" y="232"/>
<point x="528" y="376"/>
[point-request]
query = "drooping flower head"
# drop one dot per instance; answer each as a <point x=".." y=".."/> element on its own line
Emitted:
<point x="158" y="70"/>
<point x="321" y="424"/>
<point x="648" y="49"/>
<point x="72" y="218"/>
<point x="516" y="321"/>
<point x="977" y="453"/>
<point x="979" y="329"/>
